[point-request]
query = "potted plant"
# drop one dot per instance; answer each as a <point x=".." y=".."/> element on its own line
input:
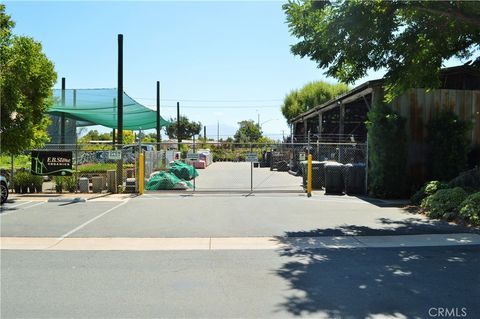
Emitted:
<point x="37" y="183"/>
<point x="58" y="180"/>
<point x="21" y="180"/>
<point x="70" y="183"/>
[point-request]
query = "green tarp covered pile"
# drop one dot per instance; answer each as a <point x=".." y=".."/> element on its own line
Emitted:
<point x="182" y="170"/>
<point x="165" y="180"/>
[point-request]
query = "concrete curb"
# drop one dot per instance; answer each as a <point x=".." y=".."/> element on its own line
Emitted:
<point x="237" y="243"/>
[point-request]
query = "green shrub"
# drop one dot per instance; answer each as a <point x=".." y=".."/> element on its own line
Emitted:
<point x="70" y="183"/>
<point x="470" y="209"/>
<point x="445" y="203"/>
<point x="21" y="178"/>
<point x="58" y="180"/>
<point x="449" y="145"/>
<point x="388" y="155"/>
<point x="469" y="180"/>
<point x="428" y="189"/>
<point x="24" y="181"/>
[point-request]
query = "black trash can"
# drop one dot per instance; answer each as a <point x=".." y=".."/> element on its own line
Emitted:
<point x="318" y="174"/>
<point x="334" y="181"/>
<point x="355" y="178"/>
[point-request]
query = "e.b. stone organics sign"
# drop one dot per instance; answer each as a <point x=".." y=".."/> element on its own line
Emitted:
<point x="57" y="163"/>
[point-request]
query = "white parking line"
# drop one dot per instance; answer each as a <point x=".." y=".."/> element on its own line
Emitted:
<point x="37" y="204"/>
<point x="18" y="205"/>
<point x="18" y="211"/>
<point x="92" y="220"/>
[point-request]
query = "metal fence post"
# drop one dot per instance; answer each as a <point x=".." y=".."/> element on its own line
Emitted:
<point x="141" y="173"/>
<point x="251" y="170"/>
<point x="13" y="172"/>
<point x="309" y="176"/>
<point x="366" y="168"/>
<point x="194" y="186"/>
<point x="308" y="143"/>
<point x="76" y="166"/>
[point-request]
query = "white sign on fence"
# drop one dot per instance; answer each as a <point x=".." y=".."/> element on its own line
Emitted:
<point x="302" y="156"/>
<point x="251" y="157"/>
<point x="192" y="156"/>
<point x="115" y="155"/>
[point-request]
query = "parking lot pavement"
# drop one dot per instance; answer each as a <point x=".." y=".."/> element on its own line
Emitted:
<point x="226" y="176"/>
<point x="175" y="216"/>
<point x="44" y="219"/>
<point x="323" y="283"/>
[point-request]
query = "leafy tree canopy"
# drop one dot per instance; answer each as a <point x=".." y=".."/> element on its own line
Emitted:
<point x="410" y="39"/>
<point x="247" y="132"/>
<point x="26" y="80"/>
<point x="94" y="135"/>
<point x="187" y="128"/>
<point x="311" y="95"/>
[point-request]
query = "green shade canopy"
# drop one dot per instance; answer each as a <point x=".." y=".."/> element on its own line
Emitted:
<point x="99" y="107"/>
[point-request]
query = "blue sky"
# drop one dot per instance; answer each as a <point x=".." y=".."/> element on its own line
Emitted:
<point x="215" y="58"/>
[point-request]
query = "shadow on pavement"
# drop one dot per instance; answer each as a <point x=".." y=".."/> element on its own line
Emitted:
<point x="391" y="283"/>
<point x="409" y="226"/>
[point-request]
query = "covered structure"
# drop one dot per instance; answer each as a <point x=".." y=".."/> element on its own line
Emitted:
<point x="343" y="118"/>
<point x="86" y="107"/>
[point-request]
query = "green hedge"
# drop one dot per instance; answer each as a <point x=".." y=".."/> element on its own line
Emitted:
<point x="388" y="152"/>
<point x="449" y="145"/>
<point x="469" y="180"/>
<point x="470" y="209"/>
<point x="428" y="189"/>
<point x="445" y="203"/>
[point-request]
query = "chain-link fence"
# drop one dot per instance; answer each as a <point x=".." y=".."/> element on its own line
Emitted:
<point x="204" y="166"/>
<point x="93" y="169"/>
<point x="250" y="167"/>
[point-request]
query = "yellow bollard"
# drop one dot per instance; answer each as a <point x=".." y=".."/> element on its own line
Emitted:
<point x="309" y="176"/>
<point x="141" y="173"/>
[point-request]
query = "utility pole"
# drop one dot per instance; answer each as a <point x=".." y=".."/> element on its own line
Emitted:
<point x="120" y="109"/>
<point x="205" y="133"/>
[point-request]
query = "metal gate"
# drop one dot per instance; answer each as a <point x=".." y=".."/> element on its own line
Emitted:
<point x="252" y="167"/>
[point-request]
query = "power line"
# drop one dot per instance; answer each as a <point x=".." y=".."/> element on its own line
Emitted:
<point x="222" y="107"/>
<point x="211" y="100"/>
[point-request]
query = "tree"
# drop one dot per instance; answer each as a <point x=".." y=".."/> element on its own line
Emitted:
<point x="410" y="39"/>
<point x="310" y="95"/>
<point x="149" y="138"/>
<point x="187" y="128"/>
<point x="26" y="80"/>
<point x="248" y="131"/>
<point x="94" y="135"/>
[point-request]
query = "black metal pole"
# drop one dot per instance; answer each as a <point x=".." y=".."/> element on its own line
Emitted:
<point x="113" y="130"/>
<point x="205" y="133"/>
<point x="179" y="140"/>
<point x="62" y="116"/>
<point x="120" y="109"/>
<point x="158" y="116"/>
